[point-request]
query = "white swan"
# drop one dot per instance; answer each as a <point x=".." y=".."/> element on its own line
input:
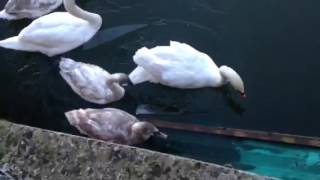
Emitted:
<point x="19" y="9"/>
<point x="180" y="65"/>
<point x="91" y="82"/>
<point x="112" y="125"/>
<point x="56" y="33"/>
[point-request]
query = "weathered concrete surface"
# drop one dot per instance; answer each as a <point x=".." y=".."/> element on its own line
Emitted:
<point x="31" y="153"/>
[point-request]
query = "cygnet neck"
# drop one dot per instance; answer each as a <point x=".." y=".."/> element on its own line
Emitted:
<point x="113" y="83"/>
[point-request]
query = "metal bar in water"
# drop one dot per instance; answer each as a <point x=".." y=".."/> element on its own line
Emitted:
<point x="241" y="133"/>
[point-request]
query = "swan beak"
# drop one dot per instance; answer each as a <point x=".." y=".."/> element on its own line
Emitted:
<point x="127" y="83"/>
<point x="243" y="95"/>
<point x="161" y="135"/>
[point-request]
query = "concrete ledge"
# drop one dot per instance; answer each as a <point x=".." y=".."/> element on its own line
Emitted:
<point x="31" y="153"/>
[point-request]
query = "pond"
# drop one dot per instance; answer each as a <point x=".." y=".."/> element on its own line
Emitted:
<point x="272" y="44"/>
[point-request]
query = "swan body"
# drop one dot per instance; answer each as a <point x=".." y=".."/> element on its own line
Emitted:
<point x="91" y="82"/>
<point x="181" y="66"/>
<point x="56" y="33"/>
<point x="19" y="9"/>
<point x="112" y="125"/>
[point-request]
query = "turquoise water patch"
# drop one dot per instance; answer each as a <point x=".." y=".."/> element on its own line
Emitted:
<point x="287" y="162"/>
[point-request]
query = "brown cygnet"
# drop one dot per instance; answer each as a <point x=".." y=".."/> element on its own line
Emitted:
<point x="112" y="125"/>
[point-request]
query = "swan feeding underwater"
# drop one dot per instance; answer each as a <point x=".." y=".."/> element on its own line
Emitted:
<point x="19" y="9"/>
<point x="112" y="125"/>
<point x="181" y="66"/>
<point x="56" y="33"/>
<point x="91" y="82"/>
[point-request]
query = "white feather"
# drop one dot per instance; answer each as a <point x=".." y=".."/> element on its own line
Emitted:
<point x="56" y="33"/>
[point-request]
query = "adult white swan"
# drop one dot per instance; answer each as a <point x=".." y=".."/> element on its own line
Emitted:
<point x="112" y="125"/>
<point x="91" y="82"/>
<point x="180" y="65"/>
<point x="19" y="9"/>
<point x="56" y="33"/>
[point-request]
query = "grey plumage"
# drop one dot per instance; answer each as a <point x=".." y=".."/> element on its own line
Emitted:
<point x="112" y="125"/>
<point x="18" y="9"/>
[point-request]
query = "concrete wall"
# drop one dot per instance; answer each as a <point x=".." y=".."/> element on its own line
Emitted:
<point x="31" y="153"/>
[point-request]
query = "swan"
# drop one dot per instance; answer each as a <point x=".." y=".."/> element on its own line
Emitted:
<point x="91" y="82"/>
<point x="181" y="66"/>
<point x="56" y="33"/>
<point x="112" y="125"/>
<point x="19" y="9"/>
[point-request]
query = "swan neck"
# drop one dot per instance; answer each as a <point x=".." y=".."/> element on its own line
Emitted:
<point x="113" y="83"/>
<point x="136" y="135"/>
<point x="225" y="76"/>
<point x="73" y="9"/>
<point x="229" y="75"/>
<point x="115" y="89"/>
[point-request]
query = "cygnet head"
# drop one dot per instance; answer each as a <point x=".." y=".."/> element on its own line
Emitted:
<point x="232" y="77"/>
<point x="120" y="78"/>
<point x="145" y="130"/>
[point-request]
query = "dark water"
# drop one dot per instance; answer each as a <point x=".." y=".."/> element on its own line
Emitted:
<point x="273" y="44"/>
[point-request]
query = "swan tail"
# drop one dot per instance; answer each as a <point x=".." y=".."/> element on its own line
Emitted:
<point x="4" y="15"/>
<point x="67" y="64"/>
<point x="147" y="60"/>
<point x="141" y="55"/>
<point x="139" y="75"/>
<point x="153" y="66"/>
<point x="13" y="43"/>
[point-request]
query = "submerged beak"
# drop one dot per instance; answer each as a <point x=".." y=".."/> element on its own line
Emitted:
<point x="125" y="82"/>
<point x="243" y="95"/>
<point x="161" y="135"/>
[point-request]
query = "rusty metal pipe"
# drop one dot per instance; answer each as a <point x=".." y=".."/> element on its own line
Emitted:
<point x="241" y="133"/>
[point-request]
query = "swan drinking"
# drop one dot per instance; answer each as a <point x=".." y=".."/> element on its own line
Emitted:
<point x="91" y="82"/>
<point x="181" y="66"/>
<point x="112" y="125"/>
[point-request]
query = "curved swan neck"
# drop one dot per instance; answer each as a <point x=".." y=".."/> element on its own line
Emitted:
<point x="118" y="78"/>
<point x="73" y="9"/>
<point x="135" y="134"/>
<point x="231" y="76"/>
<point x="113" y="83"/>
<point x="116" y="90"/>
<point x="225" y="73"/>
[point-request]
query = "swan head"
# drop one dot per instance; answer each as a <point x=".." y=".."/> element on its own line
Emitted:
<point x="120" y="78"/>
<point x="144" y="130"/>
<point x="231" y="76"/>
